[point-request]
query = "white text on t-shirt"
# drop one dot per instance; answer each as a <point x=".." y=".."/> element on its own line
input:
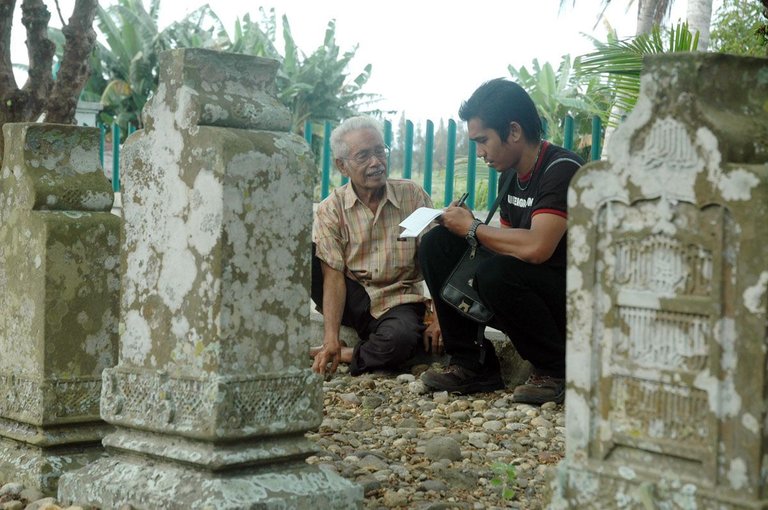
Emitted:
<point x="520" y="202"/>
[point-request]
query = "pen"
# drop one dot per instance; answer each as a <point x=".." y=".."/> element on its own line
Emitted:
<point x="462" y="199"/>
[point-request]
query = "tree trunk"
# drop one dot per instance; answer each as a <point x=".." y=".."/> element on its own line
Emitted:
<point x="80" y="39"/>
<point x="650" y="13"/>
<point x="41" y="50"/>
<point x="699" y="19"/>
<point x="40" y="96"/>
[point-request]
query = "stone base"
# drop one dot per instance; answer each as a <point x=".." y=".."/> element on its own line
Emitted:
<point x="210" y="456"/>
<point x="615" y="488"/>
<point x="145" y="484"/>
<point x="41" y="468"/>
<point x="50" y="436"/>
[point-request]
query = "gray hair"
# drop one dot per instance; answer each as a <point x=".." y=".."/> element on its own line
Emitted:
<point x="338" y="145"/>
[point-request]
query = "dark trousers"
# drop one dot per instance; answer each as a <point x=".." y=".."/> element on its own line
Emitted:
<point x="385" y="343"/>
<point x="528" y="301"/>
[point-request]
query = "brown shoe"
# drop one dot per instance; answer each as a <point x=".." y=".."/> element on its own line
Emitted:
<point x="539" y="389"/>
<point x="461" y="380"/>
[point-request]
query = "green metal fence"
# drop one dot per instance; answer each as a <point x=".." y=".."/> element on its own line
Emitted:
<point x="487" y="182"/>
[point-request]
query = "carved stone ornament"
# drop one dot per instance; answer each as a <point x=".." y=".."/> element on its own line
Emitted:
<point x="667" y="307"/>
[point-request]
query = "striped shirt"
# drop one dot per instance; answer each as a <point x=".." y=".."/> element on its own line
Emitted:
<point x="350" y="238"/>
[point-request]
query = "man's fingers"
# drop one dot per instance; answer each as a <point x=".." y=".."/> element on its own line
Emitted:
<point x="433" y="342"/>
<point x="317" y="365"/>
<point x="437" y="343"/>
<point x="320" y="362"/>
<point x="320" y="365"/>
<point x="334" y="364"/>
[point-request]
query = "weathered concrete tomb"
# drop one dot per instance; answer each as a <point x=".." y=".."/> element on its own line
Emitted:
<point x="59" y="285"/>
<point x="211" y="396"/>
<point x="667" y="306"/>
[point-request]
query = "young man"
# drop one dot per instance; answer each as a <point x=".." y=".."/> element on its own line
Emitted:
<point x="524" y="284"/>
<point x="363" y="274"/>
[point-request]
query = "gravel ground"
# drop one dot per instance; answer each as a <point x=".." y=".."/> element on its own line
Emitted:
<point x="416" y="450"/>
<point x="413" y="449"/>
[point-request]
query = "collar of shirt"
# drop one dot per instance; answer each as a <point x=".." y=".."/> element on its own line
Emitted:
<point x="390" y="194"/>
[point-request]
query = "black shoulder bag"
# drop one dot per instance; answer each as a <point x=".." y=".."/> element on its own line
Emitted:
<point x="459" y="290"/>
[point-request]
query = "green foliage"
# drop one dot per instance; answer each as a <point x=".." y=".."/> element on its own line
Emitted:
<point x="561" y="93"/>
<point x="617" y="64"/>
<point x="739" y="28"/>
<point x="317" y="86"/>
<point x="506" y="478"/>
<point x="556" y="93"/>
<point x="125" y="68"/>
<point x="253" y="39"/>
<point x="201" y="28"/>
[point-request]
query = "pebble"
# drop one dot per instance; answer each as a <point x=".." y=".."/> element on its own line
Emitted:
<point x="11" y="489"/>
<point x="31" y="494"/>
<point x="439" y="448"/>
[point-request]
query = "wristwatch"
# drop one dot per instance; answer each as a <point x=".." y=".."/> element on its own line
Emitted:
<point x="471" y="236"/>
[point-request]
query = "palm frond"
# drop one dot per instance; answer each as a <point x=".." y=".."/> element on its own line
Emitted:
<point x="618" y="64"/>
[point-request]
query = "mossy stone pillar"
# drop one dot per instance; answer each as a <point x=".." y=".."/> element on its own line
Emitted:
<point x="667" y="301"/>
<point x="59" y="287"/>
<point x="212" y="395"/>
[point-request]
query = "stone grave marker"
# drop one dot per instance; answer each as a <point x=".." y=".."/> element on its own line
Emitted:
<point x="59" y="290"/>
<point x="212" y="395"/>
<point x="667" y="276"/>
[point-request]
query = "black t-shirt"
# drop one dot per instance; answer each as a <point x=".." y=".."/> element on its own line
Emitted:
<point x="544" y="190"/>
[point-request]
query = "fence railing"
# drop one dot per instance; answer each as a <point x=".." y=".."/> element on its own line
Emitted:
<point x="487" y="183"/>
<point x="479" y="189"/>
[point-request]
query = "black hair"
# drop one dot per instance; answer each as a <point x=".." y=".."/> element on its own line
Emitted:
<point x="499" y="102"/>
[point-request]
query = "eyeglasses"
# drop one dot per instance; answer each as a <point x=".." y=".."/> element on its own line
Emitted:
<point x="362" y="157"/>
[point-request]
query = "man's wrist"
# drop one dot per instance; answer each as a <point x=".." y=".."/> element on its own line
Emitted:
<point x="472" y="231"/>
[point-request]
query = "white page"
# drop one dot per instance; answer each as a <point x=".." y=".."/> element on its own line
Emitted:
<point x="410" y="233"/>
<point x="419" y="220"/>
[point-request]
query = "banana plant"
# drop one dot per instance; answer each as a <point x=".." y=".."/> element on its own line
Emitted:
<point x="129" y="59"/>
<point x="560" y="93"/>
<point x="318" y="85"/>
<point x="253" y="38"/>
<point x="202" y="28"/>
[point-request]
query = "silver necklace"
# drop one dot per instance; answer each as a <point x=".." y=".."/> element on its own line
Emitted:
<point x="517" y="176"/>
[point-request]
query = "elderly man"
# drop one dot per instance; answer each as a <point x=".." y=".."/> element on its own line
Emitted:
<point x="364" y="275"/>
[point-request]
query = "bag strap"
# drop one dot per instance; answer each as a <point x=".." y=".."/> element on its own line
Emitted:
<point x="506" y="184"/>
<point x="502" y="192"/>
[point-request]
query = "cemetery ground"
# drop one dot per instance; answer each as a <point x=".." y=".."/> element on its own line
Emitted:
<point x="412" y="449"/>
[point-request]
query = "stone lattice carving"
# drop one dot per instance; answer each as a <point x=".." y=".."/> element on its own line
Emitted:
<point x="212" y="408"/>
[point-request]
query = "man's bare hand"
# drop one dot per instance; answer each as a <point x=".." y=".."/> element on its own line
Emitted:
<point x="433" y="338"/>
<point x="457" y="220"/>
<point x="330" y="353"/>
